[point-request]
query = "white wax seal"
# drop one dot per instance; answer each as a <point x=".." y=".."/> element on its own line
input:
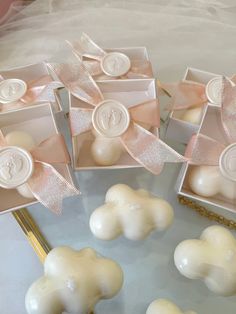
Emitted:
<point x="110" y="118"/>
<point x="228" y="162"/>
<point x="213" y="90"/>
<point x="115" y="64"/>
<point x="16" y="166"/>
<point x="12" y="90"/>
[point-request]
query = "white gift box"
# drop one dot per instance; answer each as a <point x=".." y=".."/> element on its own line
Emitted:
<point x="134" y="53"/>
<point x="30" y="73"/>
<point x="129" y="93"/>
<point x="40" y="123"/>
<point x="212" y="128"/>
<point x="180" y="130"/>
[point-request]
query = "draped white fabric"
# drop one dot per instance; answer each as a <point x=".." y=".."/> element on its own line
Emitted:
<point x="177" y="33"/>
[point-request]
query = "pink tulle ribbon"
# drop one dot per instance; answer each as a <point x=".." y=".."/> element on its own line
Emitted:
<point x="47" y="185"/>
<point x="85" y="47"/>
<point x="146" y="148"/>
<point x="187" y="94"/>
<point x="39" y="90"/>
<point x="204" y="150"/>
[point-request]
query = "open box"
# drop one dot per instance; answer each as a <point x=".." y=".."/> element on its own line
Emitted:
<point x="40" y="123"/>
<point x="134" y="53"/>
<point x="129" y="93"/>
<point x="178" y="129"/>
<point x="212" y="127"/>
<point x="31" y="73"/>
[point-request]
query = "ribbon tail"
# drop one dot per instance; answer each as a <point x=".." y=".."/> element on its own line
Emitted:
<point x="86" y="47"/>
<point x="80" y="120"/>
<point x="228" y="109"/>
<point x="148" y="150"/>
<point x="203" y="150"/>
<point x="78" y="81"/>
<point x="49" y="187"/>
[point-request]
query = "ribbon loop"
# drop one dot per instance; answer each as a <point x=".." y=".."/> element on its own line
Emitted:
<point x="228" y="109"/>
<point x="78" y="81"/>
<point x="146" y="112"/>
<point x="86" y="47"/>
<point x="52" y="150"/>
<point x="185" y="94"/>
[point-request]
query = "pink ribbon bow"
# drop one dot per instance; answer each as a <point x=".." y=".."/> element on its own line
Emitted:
<point x="85" y="47"/>
<point x="187" y="94"/>
<point x="39" y="90"/>
<point x="146" y="148"/>
<point x="47" y="185"/>
<point x="204" y="150"/>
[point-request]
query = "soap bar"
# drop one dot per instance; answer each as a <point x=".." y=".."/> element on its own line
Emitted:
<point x="74" y="281"/>
<point x="133" y="213"/>
<point x="163" y="306"/>
<point x="208" y="181"/>
<point x="212" y="258"/>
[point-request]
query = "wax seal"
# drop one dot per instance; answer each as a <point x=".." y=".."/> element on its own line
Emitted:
<point x="213" y="90"/>
<point x="12" y="90"/>
<point x="16" y="166"/>
<point x="110" y="118"/>
<point x="115" y="64"/>
<point x="228" y="162"/>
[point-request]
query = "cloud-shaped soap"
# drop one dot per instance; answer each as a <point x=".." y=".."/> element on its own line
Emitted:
<point x="74" y="281"/>
<point x="163" y="306"/>
<point x="133" y="213"/>
<point x="211" y="258"/>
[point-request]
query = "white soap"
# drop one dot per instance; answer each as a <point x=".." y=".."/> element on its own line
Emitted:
<point x="193" y="115"/>
<point x="106" y="151"/>
<point x="205" y="180"/>
<point x="25" y="191"/>
<point x="208" y="181"/>
<point x="133" y="213"/>
<point x="212" y="258"/>
<point x="73" y="282"/>
<point x="163" y="306"/>
<point x="21" y="139"/>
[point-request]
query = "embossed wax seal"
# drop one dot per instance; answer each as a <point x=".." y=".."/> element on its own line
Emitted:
<point x="12" y="90"/>
<point x="110" y="118"/>
<point x="228" y="162"/>
<point x="115" y="64"/>
<point x="16" y="167"/>
<point x="213" y="90"/>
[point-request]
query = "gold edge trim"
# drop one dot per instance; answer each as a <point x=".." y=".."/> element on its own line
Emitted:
<point x="32" y="232"/>
<point x="203" y="211"/>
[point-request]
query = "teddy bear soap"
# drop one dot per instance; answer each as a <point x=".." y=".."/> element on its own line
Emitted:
<point x="163" y="306"/>
<point x="133" y="213"/>
<point x="74" y="281"/>
<point x="211" y="258"/>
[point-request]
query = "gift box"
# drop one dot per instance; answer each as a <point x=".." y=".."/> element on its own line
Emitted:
<point x="28" y="86"/>
<point x="178" y="129"/>
<point x="214" y="154"/>
<point x="129" y="93"/>
<point x="40" y="123"/>
<point x="112" y="63"/>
